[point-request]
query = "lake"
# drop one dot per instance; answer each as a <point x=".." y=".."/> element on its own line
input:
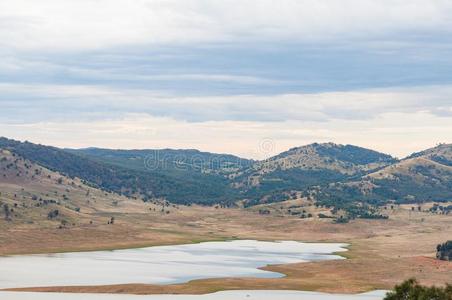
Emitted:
<point x="229" y="295"/>
<point x="165" y="265"/>
<point x="160" y="265"/>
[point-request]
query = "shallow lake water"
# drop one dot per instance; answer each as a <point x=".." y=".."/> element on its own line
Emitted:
<point x="166" y="265"/>
<point x="160" y="265"/>
<point x="232" y="295"/>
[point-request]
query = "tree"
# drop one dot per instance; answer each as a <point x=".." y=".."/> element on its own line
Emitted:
<point x="53" y="214"/>
<point x="412" y="290"/>
<point x="7" y="212"/>
<point x="444" y="251"/>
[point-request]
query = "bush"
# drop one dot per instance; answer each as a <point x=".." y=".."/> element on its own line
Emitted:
<point x="444" y="251"/>
<point x="53" y="214"/>
<point x="323" y="216"/>
<point x="412" y="290"/>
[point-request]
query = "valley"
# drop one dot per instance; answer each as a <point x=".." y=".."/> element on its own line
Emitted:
<point x="406" y="242"/>
<point x="226" y="150"/>
<point x="45" y="210"/>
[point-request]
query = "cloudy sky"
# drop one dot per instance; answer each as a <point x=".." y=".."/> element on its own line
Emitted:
<point x="248" y="77"/>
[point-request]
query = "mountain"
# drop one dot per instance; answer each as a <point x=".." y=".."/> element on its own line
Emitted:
<point x="121" y="176"/>
<point x="169" y="160"/>
<point x="423" y="176"/>
<point x="30" y="193"/>
<point x="340" y="176"/>
<point x="312" y="165"/>
<point x="344" y="159"/>
<point x="441" y="154"/>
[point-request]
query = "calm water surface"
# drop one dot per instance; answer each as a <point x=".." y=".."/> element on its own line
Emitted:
<point x="233" y="295"/>
<point x="160" y="265"/>
<point x="166" y="265"/>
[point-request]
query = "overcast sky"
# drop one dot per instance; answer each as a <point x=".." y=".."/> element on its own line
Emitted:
<point x="251" y="78"/>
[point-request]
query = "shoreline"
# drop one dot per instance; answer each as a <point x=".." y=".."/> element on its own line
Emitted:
<point x="373" y="246"/>
<point x="224" y="295"/>
<point x="154" y="244"/>
<point x="195" y="286"/>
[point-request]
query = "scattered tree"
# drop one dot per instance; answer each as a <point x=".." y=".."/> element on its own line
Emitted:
<point x="53" y="214"/>
<point x="444" y="251"/>
<point x="7" y="212"/>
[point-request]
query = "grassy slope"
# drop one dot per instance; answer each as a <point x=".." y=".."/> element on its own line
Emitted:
<point x="32" y="191"/>
<point x="304" y="167"/>
<point x="192" y="187"/>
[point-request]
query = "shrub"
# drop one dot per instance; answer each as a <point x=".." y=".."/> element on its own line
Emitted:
<point x="53" y="214"/>
<point x="412" y="290"/>
<point x="444" y="251"/>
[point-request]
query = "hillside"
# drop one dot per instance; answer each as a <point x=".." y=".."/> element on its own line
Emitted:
<point x="341" y="176"/>
<point x="32" y="194"/>
<point x="421" y="177"/>
<point x="172" y="161"/>
<point x="344" y="159"/>
<point x="307" y="166"/>
<point x="119" y="175"/>
<point x="441" y="154"/>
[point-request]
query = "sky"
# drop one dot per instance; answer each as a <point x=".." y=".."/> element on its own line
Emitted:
<point x="251" y="78"/>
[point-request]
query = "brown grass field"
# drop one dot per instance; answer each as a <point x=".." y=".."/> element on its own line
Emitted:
<point x="381" y="253"/>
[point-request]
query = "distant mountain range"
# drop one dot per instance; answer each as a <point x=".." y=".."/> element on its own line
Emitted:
<point x="334" y="175"/>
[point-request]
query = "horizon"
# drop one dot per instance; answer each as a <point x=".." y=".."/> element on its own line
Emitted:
<point x="263" y="149"/>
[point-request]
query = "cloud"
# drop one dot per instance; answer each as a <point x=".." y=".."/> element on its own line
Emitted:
<point x="260" y="68"/>
<point x="205" y="74"/>
<point x="228" y="47"/>
<point x="395" y="133"/>
<point x="88" y="24"/>
<point x="25" y="103"/>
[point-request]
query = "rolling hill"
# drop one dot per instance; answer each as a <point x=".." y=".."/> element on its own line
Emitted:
<point x="421" y="177"/>
<point x="178" y="185"/>
<point x="441" y="154"/>
<point x="340" y="176"/>
<point x="307" y="166"/>
<point x="171" y="161"/>
<point x="32" y="194"/>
